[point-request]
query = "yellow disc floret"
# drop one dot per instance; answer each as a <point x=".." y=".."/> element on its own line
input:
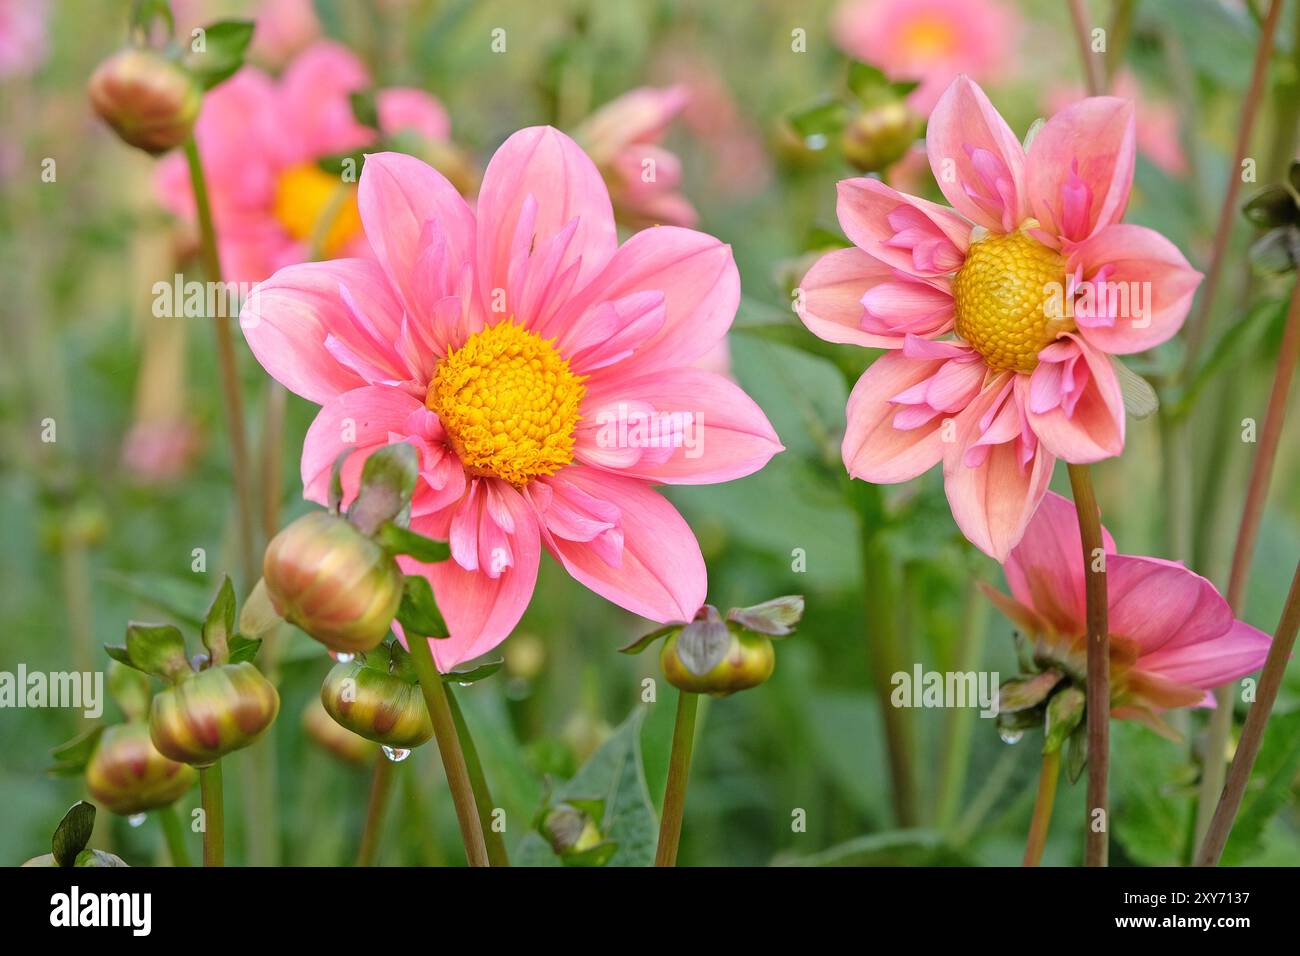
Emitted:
<point x="509" y="403"/>
<point x="314" y="206"/>
<point x="1009" y="299"/>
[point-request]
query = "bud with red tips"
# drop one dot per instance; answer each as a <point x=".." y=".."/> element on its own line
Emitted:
<point x="212" y="713"/>
<point x="379" y="698"/>
<point x="150" y="101"/>
<point x="127" y="774"/>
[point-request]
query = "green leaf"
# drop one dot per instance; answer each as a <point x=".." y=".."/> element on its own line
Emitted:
<point x="1272" y="207"/>
<point x="365" y="107"/>
<point x="895" y="848"/>
<point x="1064" y="714"/>
<point x="243" y="649"/>
<point x="775" y="618"/>
<point x="1232" y="345"/>
<point x="336" y="470"/>
<point x="224" y="45"/>
<point x="120" y="654"/>
<point x="474" y="674"/>
<point x="184" y="599"/>
<point x="1076" y="753"/>
<point x="1023" y="693"/>
<point x="418" y="613"/>
<point x="614" y="776"/>
<point x="1152" y="789"/>
<point x="1269" y="788"/>
<point x="387" y="483"/>
<point x="821" y="119"/>
<point x="71" y="758"/>
<point x="130" y="688"/>
<point x="145" y="12"/>
<point x="157" y="649"/>
<point x="641" y="643"/>
<point x="867" y="82"/>
<point x="219" y="624"/>
<point x="73" y="832"/>
<point x="398" y="540"/>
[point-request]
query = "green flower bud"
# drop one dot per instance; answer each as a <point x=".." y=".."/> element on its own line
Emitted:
<point x="150" y="101"/>
<point x="339" y="586"/>
<point x="126" y="774"/>
<point x="879" y="136"/>
<point x="376" y="704"/>
<point x="748" y="661"/>
<point x="335" y="738"/>
<point x="570" y="831"/>
<point x="84" y="858"/>
<point x="212" y="712"/>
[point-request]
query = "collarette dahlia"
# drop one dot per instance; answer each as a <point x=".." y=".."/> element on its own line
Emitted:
<point x="542" y="371"/>
<point x="1001" y="313"/>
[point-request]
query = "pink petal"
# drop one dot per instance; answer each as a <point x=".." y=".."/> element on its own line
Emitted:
<point x="1238" y="651"/>
<point x="915" y="235"/>
<point x="708" y="429"/>
<point x="546" y="165"/>
<point x="873" y="449"/>
<point x="1080" y="167"/>
<point x="830" y="303"/>
<point x="1090" y="425"/>
<point x="404" y="109"/>
<point x="289" y="317"/>
<point x="976" y="159"/>
<point x="661" y="574"/>
<point x="1162" y="605"/>
<point x="315" y="112"/>
<point x="1147" y="271"/>
<point x="362" y="419"/>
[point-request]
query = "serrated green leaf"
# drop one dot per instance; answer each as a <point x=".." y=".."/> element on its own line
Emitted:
<point x="73" y="832"/>
<point x="398" y="540"/>
<point x="1269" y="788"/>
<point x="418" y="613"/>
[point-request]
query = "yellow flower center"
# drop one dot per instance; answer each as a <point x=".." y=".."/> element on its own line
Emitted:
<point x="315" y="207"/>
<point x="509" y="403"/>
<point x="1009" y="298"/>
<point x="928" y="38"/>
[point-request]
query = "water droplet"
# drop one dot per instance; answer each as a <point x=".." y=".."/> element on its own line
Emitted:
<point x="817" y="141"/>
<point x="342" y="656"/>
<point x="396" y="754"/>
<point x="1010" y="736"/>
<point x="136" y="819"/>
<point x="464" y="683"/>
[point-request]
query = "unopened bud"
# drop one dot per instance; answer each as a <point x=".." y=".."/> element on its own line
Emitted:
<point x="570" y="831"/>
<point x="378" y="705"/>
<point x="335" y="738"/>
<point x="879" y="136"/>
<point x="748" y="661"/>
<point x="329" y="579"/>
<point x="213" y="712"/>
<point x="126" y="774"/>
<point x="149" y="100"/>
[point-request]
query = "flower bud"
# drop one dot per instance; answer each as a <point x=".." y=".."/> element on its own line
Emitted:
<point x="570" y="831"/>
<point x="150" y="101"/>
<point x="126" y="774"/>
<point x="339" y="586"/>
<point x="84" y="858"/>
<point x="879" y="136"/>
<point x="749" y="661"/>
<point x="211" y="713"/>
<point x="378" y="705"/>
<point x="335" y="738"/>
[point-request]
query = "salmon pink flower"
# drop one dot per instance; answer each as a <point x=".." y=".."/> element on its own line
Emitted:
<point x="928" y="41"/>
<point x="260" y="140"/>
<point x="1172" y="636"/>
<point x="541" y="370"/>
<point x="622" y="137"/>
<point x="1158" y="136"/>
<point x="1038" y="279"/>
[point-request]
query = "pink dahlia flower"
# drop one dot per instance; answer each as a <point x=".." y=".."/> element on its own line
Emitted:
<point x="541" y="370"/>
<point x="23" y="40"/>
<point x="261" y="139"/>
<point x="929" y="41"/>
<point x="622" y="137"/>
<point x="1000" y="314"/>
<point x="1172" y="636"/>
<point x="1158" y="137"/>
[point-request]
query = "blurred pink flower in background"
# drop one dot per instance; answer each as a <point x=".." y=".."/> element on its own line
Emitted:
<point x="1172" y="636"/>
<point x="1158" y="137"/>
<point x="929" y="41"/>
<point x="1027" y="378"/>
<point x="507" y="343"/>
<point x="260" y="140"/>
<point x="622" y="138"/>
<point x="23" y="41"/>
<point x="157" y="452"/>
<point x="284" y="29"/>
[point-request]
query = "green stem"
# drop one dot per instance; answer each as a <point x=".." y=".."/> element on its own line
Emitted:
<point x="453" y="759"/>
<point x="679" y="769"/>
<point x="1097" y="843"/>
<point x="214" y="816"/>
<point x="960" y="721"/>
<point x="228" y="369"/>
<point x="496" y="844"/>
<point x="381" y="785"/>
<point x="174" y="834"/>
<point x="1043" y="803"/>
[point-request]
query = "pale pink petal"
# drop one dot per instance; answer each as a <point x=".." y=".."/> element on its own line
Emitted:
<point x="1148" y="286"/>
<point x="1162" y="605"/>
<point x="707" y="427"/>
<point x="315" y="110"/>
<point x="1080" y="167"/>
<point x="405" y="109"/>
<point x="1080" y="415"/>
<point x="1238" y="651"/>
<point x="851" y="297"/>
<point x="288" y="319"/>
<point x="362" y="419"/>
<point x="977" y="160"/>
<point x="908" y="233"/>
<point x="873" y="449"/>
<point x="660" y="574"/>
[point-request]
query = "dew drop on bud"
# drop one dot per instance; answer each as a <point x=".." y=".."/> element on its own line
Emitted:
<point x="396" y="754"/>
<point x="1010" y="736"/>
<point x="136" y="819"/>
<point x="342" y="657"/>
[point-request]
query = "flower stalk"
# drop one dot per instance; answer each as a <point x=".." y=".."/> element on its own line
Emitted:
<point x="679" y="769"/>
<point x="1043" y="803"/>
<point x="381" y="785"/>
<point x="1097" y="822"/>
<point x="174" y="834"/>
<point x="496" y="844"/>
<point x="214" y="816"/>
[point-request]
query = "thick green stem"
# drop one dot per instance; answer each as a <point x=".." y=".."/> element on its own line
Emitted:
<point x="1097" y="821"/>
<point x="214" y="816"/>
<point x="381" y="785"/>
<point x="1043" y="803"/>
<point x="229" y="372"/>
<point x="496" y="844"/>
<point x="174" y="834"/>
<point x="679" y="770"/>
<point x="453" y="759"/>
